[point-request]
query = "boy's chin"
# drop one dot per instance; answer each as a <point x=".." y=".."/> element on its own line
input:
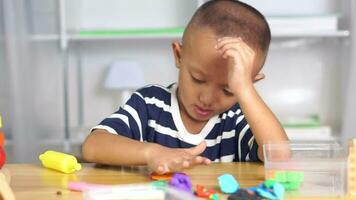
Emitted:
<point x="200" y="118"/>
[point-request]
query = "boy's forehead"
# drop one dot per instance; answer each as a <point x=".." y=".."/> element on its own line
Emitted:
<point x="199" y="46"/>
<point x="197" y="37"/>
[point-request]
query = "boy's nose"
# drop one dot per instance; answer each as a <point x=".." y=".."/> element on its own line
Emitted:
<point x="207" y="98"/>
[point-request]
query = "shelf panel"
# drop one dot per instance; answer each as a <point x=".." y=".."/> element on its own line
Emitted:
<point x="124" y="37"/>
<point x="43" y="37"/>
<point x="322" y="133"/>
<point x="48" y="38"/>
<point x="329" y="34"/>
<point x="177" y="35"/>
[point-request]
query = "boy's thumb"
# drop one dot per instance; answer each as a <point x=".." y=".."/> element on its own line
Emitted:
<point x="197" y="150"/>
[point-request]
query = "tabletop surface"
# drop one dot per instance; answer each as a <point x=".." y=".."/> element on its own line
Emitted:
<point x="30" y="181"/>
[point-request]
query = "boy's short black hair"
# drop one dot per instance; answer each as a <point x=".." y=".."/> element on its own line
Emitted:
<point x="229" y="18"/>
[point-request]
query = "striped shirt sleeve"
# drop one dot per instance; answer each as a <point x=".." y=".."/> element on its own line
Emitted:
<point x="129" y="121"/>
<point x="246" y="143"/>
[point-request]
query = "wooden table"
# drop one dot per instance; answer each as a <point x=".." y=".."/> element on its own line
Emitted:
<point x="29" y="181"/>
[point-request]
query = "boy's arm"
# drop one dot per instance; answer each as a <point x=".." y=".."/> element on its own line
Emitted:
<point x="106" y="148"/>
<point x="243" y="67"/>
<point x="263" y="123"/>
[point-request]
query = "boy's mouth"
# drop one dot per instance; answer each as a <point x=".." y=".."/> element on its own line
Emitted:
<point x="202" y="112"/>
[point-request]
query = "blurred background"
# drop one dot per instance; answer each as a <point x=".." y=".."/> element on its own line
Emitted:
<point x="67" y="64"/>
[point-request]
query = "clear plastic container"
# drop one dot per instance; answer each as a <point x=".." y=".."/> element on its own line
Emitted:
<point x="323" y="166"/>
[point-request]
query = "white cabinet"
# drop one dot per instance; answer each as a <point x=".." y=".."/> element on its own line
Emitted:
<point x="57" y="54"/>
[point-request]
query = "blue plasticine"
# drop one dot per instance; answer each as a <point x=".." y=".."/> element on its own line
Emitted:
<point x="228" y="184"/>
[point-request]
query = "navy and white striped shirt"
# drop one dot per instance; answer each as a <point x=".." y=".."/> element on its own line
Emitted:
<point x="152" y="115"/>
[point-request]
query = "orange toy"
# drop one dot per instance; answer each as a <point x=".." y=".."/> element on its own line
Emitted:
<point x="2" y="138"/>
<point x="2" y="135"/>
<point x="2" y="152"/>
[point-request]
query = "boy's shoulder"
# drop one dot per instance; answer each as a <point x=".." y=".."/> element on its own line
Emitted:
<point x="232" y="112"/>
<point x="155" y="90"/>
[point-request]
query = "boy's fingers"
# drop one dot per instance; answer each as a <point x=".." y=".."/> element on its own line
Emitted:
<point x="201" y="160"/>
<point x="198" y="160"/>
<point x="222" y="39"/>
<point x="186" y="164"/>
<point x="225" y="41"/>
<point x="259" y="77"/>
<point x="207" y="161"/>
<point x="230" y="53"/>
<point x="243" y="50"/>
<point x="162" y="169"/>
<point x="226" y="47"/>
<point x="197" y="150"/>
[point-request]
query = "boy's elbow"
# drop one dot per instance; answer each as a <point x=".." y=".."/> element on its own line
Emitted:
<point x="88" y="152"/>
<point x="260" y="154"/>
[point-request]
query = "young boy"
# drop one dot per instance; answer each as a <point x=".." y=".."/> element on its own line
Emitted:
<point x="214" y="113"/>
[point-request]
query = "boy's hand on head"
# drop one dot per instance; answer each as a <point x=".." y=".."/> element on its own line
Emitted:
<point x="240" y="60"/>
<point x="164" y="160"/>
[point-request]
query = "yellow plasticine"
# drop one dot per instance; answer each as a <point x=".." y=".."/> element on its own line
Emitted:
<point x="0" y="122"/>
<point x="60" y="161"/>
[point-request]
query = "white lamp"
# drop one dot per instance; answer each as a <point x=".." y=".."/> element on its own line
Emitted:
<point x="126" y="76"/>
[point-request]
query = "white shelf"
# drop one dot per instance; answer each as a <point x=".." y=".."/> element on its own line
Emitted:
<point x="329" y="34"/>
<point x="74" y="38"/>
<point x="74" y="141"/>
<point x="47" y="38"/>
<point x="44" y="37"/>
<point x="322" y="133"/>
<point x="124" y="37"/>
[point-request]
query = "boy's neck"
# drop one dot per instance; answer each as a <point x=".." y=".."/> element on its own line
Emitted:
<point x="191" y="125"/>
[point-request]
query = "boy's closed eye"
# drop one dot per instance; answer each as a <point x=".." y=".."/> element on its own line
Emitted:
<point x="197" y="80"/>
<point x="227" y="92"/>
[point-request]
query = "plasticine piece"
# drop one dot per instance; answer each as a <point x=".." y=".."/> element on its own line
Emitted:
<point x="269" y="183"/>
<point x="291" y="185"/>
<point x="2" y="157"/>
<point x="212" y="191"/>
<point x="159" y="184"/>
<point x="2" y="138"/>
<point x="281" y="176"/>
<point x="181" y="181"/>
<point x="228" y="184"/>
<point x="161" y="177"/>
<point x="214" y="197"/>
<point x="252" y="189"/>
<point x="60" y="161"/>
<point x="278" y="190"/>
<point x="201" y="191"/>
<point x="295" y="176"/>
<point x="266" y="194"/>
<point x="243" y="194"/>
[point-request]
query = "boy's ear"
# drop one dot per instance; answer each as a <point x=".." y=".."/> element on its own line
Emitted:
<point x="259" y="77"/>
<point x="177" y="51"/>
